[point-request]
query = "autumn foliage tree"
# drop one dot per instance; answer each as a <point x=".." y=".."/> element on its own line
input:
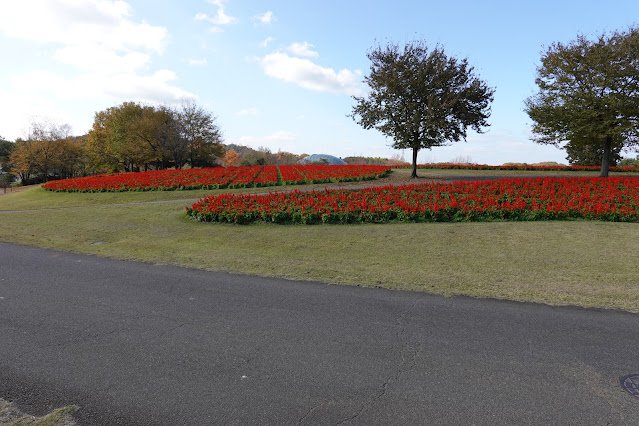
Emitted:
<point x="422" y="98"/>
<point x="48" y="151"/>
<point x="133" y="136"/>
<point x="589" y="94"/>
<point x="6" y="148"/>
<point x="231" y="158"/>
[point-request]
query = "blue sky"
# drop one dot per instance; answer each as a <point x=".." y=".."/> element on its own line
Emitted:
<point x="279" y="74"/>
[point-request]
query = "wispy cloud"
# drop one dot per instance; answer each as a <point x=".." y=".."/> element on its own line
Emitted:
<point x="266" y="41"/>
<point x="219" y="19"/>
<point x="302" y="49"/>
<point x="155" y="88"/>
<point x="109" y="53"/>
<point x="309" y="75"/>
<point x="264" y="18"/>
<point x="92" y="22"/>
<point x="202" y="61"/>
<point x="282" y="135"/>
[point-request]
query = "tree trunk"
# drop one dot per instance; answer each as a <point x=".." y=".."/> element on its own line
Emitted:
<point x="414" y="172"/>
<point x="605" y="160"/>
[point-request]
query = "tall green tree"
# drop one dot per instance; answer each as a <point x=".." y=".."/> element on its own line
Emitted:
<point x="422" y="98"/>
<point x="120" y="139"/>
<point x="6" y="148"/>
<point x="589" y="93"/>
<point x="201" y="134"/>
<point x="589" y="154"/>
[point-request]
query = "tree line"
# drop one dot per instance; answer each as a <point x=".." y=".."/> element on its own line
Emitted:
<point x="127" y="137"/>
<point x="134" y="137"/>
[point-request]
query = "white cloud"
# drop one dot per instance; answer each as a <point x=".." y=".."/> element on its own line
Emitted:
<point x="247" y="111"/>
<point x="264" y="18"/>
<point x="109" y="54"/>
<point x="302" y="49"/>
<point x="220" y="18"/>
<point x="19" y="109"/>
<point x="151" y="88"/>
<point x="282" y="135"/>
<point x="266" y="41"/>
<point x="102" y="59"/>
<point x="309" y="75"/>
<point x="92" y="22"/>
<point x="202" y="61"/>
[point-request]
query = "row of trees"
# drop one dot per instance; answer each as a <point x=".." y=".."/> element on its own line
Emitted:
<point x="48" y="150"/>
<point x="588" y="97"/>
<point x="127" y="137"/>
<point x="133" y="136"/>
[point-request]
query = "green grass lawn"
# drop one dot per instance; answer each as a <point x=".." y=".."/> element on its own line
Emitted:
<point x="564" y="263"/>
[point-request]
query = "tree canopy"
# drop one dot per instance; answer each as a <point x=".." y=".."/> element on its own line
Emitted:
<point x="589" y="94"/>
<point x="421" y="98"/>
<point x="590" y="154"/>
<point x="48" y="152"/>
<point x="133" y="136"/>
<point x="6" y="148"/>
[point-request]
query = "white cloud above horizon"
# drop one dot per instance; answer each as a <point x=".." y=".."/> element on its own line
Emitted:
<point x="264" y="18"/>
<point x="308" y="75"/>
<point x="91" y="22"/>
<point x="267" y="41"/>
<point x="97" y="49"/>
<point x="302" y="49"/>
<point x="220" y="17"/>
<point x="154" y="88"/>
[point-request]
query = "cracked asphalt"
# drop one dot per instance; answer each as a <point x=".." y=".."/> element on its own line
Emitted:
<point x="140" y="344"/>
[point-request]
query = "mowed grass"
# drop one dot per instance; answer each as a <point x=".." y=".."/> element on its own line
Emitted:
<point x="592" y="264"/>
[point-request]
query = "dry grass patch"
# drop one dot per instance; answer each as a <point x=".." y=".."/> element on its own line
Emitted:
<point x="11" y="416"/>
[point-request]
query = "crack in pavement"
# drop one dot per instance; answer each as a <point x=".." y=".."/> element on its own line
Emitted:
<point x="309" y="412"/>
<point x="401" y="322"/>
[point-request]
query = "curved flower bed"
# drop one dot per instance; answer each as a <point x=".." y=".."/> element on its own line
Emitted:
<point x="612" y="199"/>
<point x="214" y="178"/>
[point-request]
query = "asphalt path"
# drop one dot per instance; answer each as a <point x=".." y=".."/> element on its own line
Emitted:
<point x="134" y="343"/>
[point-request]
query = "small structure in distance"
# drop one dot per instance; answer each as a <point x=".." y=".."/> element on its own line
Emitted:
<point x="323" y="159"/>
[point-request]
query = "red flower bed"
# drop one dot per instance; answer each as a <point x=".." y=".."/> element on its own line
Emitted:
<point x="213" y="178"/>
<point x="518" y="167"/>
<point x="613" y="199"/>
<point x="322" y="174"/>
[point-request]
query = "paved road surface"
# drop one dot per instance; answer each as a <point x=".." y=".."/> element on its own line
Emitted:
<point x="133" y="343"/>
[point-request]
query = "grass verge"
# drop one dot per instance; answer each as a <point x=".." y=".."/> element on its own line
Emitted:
<point x="561" y="263"/>
<point x="11" y="416"/>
